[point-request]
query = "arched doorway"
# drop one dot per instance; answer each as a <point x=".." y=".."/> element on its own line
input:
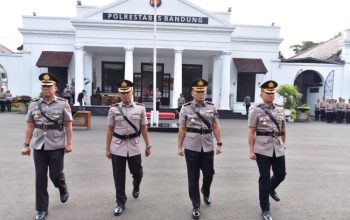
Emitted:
<point x="3" y="78"/>
<point x="310" y="84"/>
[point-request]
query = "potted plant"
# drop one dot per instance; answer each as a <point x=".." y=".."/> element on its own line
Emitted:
<point x="303" y="112"/>
<point x="291" y="97"/>
<point x="23" y="102"/>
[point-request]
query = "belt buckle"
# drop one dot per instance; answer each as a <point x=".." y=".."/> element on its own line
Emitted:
<point x="202" y="132"/>
<point x="127" y="137"/>
<point x="44" y="127"/>
<point x="275" y="134"/>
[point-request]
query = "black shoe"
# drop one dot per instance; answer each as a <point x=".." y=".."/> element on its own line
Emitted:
<point x="119" y="210"/>
<point x="41" y="215"/>
<point x="274" y="195"/>
<point x="135" y="194"/>
<point x="266" y="215"/>
<point x="64" y="196"/>
<point x="196" y="213"/>
<point x="206" y="199"/>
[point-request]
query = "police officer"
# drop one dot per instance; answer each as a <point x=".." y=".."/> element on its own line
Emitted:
<point x="198" y="121"/>
<point x="340" y="110"/>
<point x="266" y="138"/>
<point x="347" y="112"/>
<point x="126" y="121"/>
<point x="49" y="134"/>
<point x="317" y="109"/>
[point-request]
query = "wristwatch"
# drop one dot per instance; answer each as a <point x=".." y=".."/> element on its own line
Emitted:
<point x="219" y="144"/>
<point x="25" y="145"/>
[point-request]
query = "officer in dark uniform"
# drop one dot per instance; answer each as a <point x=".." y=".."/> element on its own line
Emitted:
<point x="266" y="138"/>
<point x="49" y="134"/>
<point x="127" y="120"/>
<point x="198" y="121"/>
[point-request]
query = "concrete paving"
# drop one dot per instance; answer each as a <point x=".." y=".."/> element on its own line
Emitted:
<point x="316" y="186"/>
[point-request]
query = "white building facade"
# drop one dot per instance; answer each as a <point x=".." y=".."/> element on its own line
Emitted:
<point x="103" y="45"/>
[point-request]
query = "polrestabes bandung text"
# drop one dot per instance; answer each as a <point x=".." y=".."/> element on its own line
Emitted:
<point x="160" y="18"/>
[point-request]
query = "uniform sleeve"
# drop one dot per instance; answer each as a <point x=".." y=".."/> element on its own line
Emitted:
<point x="67" y="112"/>
<point x="111" y="117"/>
<point x="216" y="115"/>
<point x="182" y="116"/>
<point x="144" y="120"/>
<point x="29" y="117"/>
<point x="253" y="118"/>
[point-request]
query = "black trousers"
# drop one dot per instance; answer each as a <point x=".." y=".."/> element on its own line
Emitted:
<point x="340" y="116"/>
<point x="267" y="184"/>
<point x="157" y="106"/>
<point x="347" y="117"/>
<point x="2" y="106"/>
<point x="197" y="161"/>
<point x="317" y="115"/>
<point x="247" y="109"/>
<point x="329" y="117"/>
<point x="45" y="160"/>
<point x="119" y="168"/>
<point x="323" y="114"/>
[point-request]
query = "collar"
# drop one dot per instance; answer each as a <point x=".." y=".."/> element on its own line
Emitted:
<point x="269" y="107"/>
<point x="196" y="104"/>
<point x="54" y="100"/>
<point x="132" y="104"/>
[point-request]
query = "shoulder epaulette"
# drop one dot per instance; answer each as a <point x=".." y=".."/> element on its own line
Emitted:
<point x="115" y="104"/>
<point x="209" y="103"/>
<point x="278" y="105"/>
<point x="34" y="100"/>
<point x="187" y="103"/>
<point x="62" y="99"/>
<point x="138" y="103"/>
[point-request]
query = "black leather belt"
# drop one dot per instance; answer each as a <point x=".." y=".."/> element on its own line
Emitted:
<point x="49" y="127"/>
<point x="199" y="130"/>
<point x="126" y="136"/>
<point x="271" y="134"/>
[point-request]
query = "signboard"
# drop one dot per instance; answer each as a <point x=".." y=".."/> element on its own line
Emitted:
<point x="160" y="18"/>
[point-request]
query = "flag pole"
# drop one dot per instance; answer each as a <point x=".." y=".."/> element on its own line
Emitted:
<point x="155" y="115"/>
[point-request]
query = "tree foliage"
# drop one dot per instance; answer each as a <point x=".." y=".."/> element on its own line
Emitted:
<point x="305" y="45"/>
<point x="290" y="94"/>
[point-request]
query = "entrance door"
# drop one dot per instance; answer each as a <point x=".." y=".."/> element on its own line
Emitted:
<point x="61" y="74"/>
<point x="112" y="73"/>
<point x="190" y="73"/>
<point x="246" y="86"/>
<point x="147" y="80"/>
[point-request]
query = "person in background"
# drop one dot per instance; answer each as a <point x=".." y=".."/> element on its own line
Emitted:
<point x="180" y="101"/>
<point x="81" y="101"/>
<point x="347" y="112"/>
<point x="247" y="104"/>
<point x="67" y="93"/>
<point x="158" y="98"/>
<point x="2" y="100"/>
<point x="317" y="109"/>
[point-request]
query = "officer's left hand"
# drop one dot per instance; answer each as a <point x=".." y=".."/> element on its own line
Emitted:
<point x="218" y="150"/>
<point x="147" y="151"/>
<point x="68" y="148"/>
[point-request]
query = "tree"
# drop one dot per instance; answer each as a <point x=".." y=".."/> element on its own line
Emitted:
<point x="305" y="45"/>
<point x="290" y="94"/>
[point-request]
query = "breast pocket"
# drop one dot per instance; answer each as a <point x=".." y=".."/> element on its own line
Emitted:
<point x="119" y="118"/>
<point x="264" y="121"/>
<point x="136" y="117"/>
<point x="56" y="114"/>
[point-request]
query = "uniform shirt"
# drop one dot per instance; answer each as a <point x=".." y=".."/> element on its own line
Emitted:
<point x="323" y="105"/>
<point x="259" y="120"/>
<point x="340" y="106"/>
<point x="317" y="105"/>
<point x="330" y="107"/>
<point x="136" y="113"/>
<point x="347" y="107"/>
<point x="58" y="110"/>
<point x="189" y="118"/>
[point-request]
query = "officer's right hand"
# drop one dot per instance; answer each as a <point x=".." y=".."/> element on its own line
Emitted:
<point x="252" y="156"/>
<point x="26" y="151"/>
<point x="108" y="154"/>
<point x="180" y="151"/>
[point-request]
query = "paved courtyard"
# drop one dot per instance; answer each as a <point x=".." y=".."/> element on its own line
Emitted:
<point x="316" y="186"/>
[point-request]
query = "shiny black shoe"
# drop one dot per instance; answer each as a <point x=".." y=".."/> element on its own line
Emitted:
<point x="41" y="215"/>
<point x="64" y="196"/>
<point x="196" y="213"/>
<point x="266" y="215"/>
<point x="135" y="194"/>
<point x="274" y="195"/>
<point x="119" y="210"/>
<point x="206" y="199"/>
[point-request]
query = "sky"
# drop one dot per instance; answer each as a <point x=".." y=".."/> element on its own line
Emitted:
<point x="300" y="20"/>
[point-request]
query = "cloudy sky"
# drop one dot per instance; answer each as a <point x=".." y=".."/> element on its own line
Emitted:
<point x="299" y="20"/>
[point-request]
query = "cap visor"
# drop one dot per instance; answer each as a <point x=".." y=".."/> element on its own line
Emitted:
<point x="124" y="90"/>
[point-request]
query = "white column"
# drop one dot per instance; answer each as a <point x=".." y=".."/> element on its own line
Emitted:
<point x="216" y="80"/>
<point x="79" y="71"/>
<point x="177" y="87"/>
<point x="225" y="81"/>
<point x="88" y="75"/>
<point x="129" y="63"/>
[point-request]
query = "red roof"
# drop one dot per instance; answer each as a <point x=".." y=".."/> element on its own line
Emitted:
<point x="249" y="65"/>
<point x="54" y="59"/>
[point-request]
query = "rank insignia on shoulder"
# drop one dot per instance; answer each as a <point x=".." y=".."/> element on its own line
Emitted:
<point x="138" y="103"/>
<point x="35" y="100"/>
<point x="186" y="104"/>
<point x="209" y="103"/>
<point x="62" y="99"/>
<point x="113" y="105"/>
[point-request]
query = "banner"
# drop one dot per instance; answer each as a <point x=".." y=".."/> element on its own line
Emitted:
<point x="328" y="85"/>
